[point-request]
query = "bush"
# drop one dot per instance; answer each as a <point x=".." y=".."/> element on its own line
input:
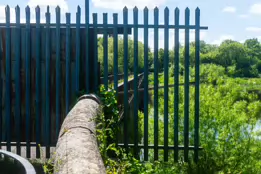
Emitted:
<point x="229" y="115"/>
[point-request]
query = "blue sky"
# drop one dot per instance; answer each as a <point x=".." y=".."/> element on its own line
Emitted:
<point x="226" y="19"/>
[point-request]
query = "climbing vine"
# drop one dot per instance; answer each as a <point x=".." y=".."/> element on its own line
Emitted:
<point x="115" y="159"/>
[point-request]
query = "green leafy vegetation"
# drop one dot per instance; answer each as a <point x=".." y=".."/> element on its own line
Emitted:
<point x="116" y="160"/>
<point x="238" y="59"/>
<point x="230" y="110"/>
<point x="121" y="55"/>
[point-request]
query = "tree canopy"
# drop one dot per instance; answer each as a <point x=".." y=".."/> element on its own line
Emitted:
<point x="238" y="59"/>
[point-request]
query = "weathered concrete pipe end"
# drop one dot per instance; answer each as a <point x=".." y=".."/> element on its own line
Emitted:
<point x="77" y="150"/>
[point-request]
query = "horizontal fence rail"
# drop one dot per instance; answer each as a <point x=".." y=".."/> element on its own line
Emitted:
<point x="100" y="27"/>
<point x="44" y="67"/>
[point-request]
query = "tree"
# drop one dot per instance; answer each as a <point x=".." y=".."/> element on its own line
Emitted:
<point x="254" y="49"/>
<point x="229" y="52"/>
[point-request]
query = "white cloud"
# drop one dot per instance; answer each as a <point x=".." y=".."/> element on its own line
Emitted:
<point x="257" y="37"/>
<point x="2" y="14"/>
<point x="251" y="37"/>
<point x="32" y="4"/>
<point x="253" y="29"/>
<point x="255" y="9"/>
<point x="161" y="39"/>
<point x="203" y="35"/>
<point x="52" y="5"/>
<point x="229" y="9"/>
<point x="243" y="16"/>
<point x="222" y="38"/>
<point x="120" y="4"/>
